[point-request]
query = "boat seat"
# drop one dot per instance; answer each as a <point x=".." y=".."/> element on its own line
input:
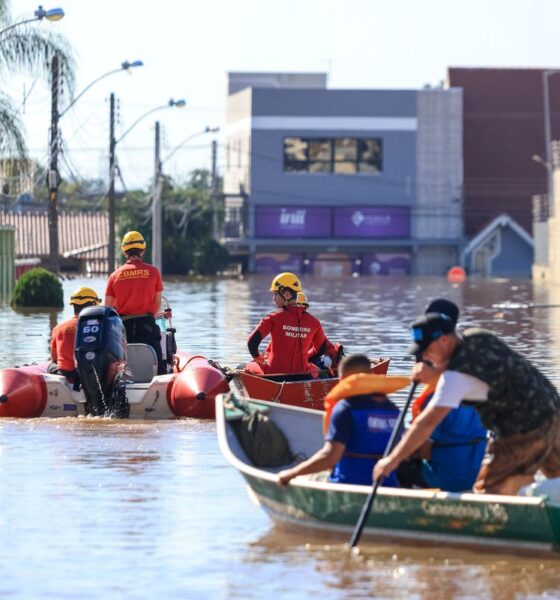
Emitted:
<point x="142" y="361"/>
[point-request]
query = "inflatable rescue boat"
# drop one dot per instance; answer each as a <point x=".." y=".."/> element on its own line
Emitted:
<point x="114" y="378"/>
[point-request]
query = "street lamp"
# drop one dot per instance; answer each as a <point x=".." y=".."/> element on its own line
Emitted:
<point x="54" y="14"/>
<point x="53" y="177"/>
<point x="156" y="218"/>
<point x="207" y="129"/>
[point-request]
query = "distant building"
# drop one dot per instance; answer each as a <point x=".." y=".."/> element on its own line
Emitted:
<point x="503" y="125"/>
<point x="340" y="181"/>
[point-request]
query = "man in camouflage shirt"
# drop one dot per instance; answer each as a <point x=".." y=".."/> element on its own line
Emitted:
<point x="516" y="402"/>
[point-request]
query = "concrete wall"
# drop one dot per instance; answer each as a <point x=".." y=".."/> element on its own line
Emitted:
<point x="421" y="136"/>
<point x="238" y="142"/>
<point x="339" y="113"/>
<point x="439" y="159"/>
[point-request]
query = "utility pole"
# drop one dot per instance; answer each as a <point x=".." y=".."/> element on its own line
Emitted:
<point x="214" y="191"/>
<point x="53" y="177"/>
<point x="156" y="206"/>
<point x="111" y="204"/>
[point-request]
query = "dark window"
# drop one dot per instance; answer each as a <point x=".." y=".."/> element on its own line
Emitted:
<point x="369" y="156"/>
<point x="345" y="156"/>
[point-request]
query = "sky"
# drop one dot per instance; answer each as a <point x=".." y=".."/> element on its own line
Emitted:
<point x="188" y="47"/>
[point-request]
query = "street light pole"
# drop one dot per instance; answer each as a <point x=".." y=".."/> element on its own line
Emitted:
<point x="156" y="204"/>
<point x="53" y="177"/>
<point x="111" y="203"/>
<point x="547" y="135"/>
<point x="53" y="180"/>
<point x="156" y="198"/>
<point x="54" y="14"/>
<point x="214" y="190"/>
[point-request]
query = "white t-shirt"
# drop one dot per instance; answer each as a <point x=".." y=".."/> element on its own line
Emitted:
<point x="453" y="387"/>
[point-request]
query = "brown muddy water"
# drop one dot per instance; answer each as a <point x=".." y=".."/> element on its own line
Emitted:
<point x="95" y="508"/>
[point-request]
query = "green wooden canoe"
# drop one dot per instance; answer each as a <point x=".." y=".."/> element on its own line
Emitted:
<point x="510" y="523"/>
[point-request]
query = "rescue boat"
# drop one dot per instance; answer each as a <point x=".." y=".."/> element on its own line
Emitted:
<point x="294" y="390"/>
<point x="526" y="524"/>
<point x="115" y="378"/>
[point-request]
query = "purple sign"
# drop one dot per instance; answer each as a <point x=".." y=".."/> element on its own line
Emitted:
<point x="293" y="221"/>
<point x="372" y="222"/>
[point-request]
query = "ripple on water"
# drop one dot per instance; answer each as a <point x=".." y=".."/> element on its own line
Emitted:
<point x="100" y="508"/>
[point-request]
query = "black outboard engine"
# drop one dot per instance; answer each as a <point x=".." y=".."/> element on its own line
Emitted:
<point x="100" y="350"/>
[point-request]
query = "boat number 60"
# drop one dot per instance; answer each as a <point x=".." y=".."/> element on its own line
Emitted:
<point x="91" y="329"/>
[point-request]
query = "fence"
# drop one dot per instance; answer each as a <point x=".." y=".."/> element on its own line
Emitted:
<point x="82" y="238"/>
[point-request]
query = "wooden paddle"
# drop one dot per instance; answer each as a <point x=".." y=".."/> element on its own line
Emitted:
<point x="371" y="497"/>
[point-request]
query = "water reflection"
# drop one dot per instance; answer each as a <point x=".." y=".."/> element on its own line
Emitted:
<point x="153" y="510"/>
<point x="383" y="571"/>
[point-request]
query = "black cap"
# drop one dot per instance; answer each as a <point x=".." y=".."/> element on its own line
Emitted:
<point x="441" y="305"/>
<point x="428" y="328"/>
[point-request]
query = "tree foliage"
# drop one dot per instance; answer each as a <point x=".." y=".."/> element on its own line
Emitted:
<point x="187" y="244"/>
<point x="38" y="288"/>
<point x="27" y="49"/>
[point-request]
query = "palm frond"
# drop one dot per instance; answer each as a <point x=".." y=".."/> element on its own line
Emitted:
<point x="4" y="10"/>
<point x="27" y="49"/>
<point x="12" y="143"/>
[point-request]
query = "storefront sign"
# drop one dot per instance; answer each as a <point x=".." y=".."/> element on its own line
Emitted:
<point x="293" y="221"/>
<point x="372" y="222"/>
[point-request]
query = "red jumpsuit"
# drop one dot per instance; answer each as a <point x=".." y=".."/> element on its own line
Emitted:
<point x="293" y="332"/>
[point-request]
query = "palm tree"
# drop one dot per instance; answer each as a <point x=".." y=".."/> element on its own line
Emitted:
<point x="26" y="49"/>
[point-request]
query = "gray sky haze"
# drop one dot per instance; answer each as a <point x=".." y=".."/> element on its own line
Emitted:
<point x="188" y="47"/>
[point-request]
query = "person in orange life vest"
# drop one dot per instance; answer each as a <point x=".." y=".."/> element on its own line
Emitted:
<point x="450" y="459"/>
<point x="64" y="334"/>
<point x="134" y="290"/>
<point x="293" y="332"/>
<point x="360" y="426"/>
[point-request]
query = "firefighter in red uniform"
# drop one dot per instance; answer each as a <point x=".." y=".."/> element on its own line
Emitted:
<point x="332" y="354"/>
<point x="64" y="334"/>
<point x="134" y="290"/>
<point x="293" y="332"/>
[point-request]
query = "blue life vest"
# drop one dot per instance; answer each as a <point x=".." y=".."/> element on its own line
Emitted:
<point x="372" y="425"/>
<point x="459" y="443"/>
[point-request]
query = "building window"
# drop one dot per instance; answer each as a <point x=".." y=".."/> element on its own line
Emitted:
<point x="345" y="156"/>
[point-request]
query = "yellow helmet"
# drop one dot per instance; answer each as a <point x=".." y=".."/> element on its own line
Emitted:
<point x="133" y="239"/>
<point x="84" y="295"/>
<point x="286" y="280"/>
<point x="302" y="299"/>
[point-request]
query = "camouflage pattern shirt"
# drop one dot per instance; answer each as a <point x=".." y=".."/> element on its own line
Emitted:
<point x="520" y="397"/>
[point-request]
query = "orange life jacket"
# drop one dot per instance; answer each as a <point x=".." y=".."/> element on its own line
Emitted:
<point x="361" y="384"/>
<point x="420" y="403"/>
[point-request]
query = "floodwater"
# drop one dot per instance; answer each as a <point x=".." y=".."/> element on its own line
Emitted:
<point x="93" y="508"/>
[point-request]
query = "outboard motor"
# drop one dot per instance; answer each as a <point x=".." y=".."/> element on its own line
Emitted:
<point x="100" y="350"/>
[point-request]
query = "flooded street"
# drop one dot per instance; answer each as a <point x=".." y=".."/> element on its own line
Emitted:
<point x="96" y="508"/>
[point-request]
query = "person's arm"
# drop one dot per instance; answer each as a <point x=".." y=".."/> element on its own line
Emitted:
<point x="110" y="293"/>
<point x="157" y="303"/>
<point x="259" y="333"/>
<point x="325" y="458"/>
<point x="416" y="435"/>
<point x="317" y="353"/>
<point x="54" y="355"/>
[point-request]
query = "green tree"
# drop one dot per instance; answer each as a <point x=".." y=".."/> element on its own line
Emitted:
<point x="26" y="49"/>
<point x="187" y="241"/>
